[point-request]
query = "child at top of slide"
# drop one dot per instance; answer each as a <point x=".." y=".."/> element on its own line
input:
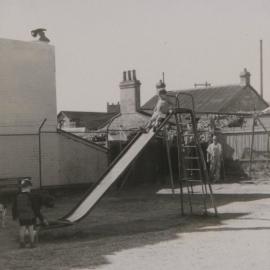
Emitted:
<point x="162" y="108"/>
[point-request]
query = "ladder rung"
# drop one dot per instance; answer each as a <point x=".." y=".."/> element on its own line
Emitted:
<point x="191" y="146"/>
<point x="192" y="169"/>
<point x="183" y="123"/>
<point x="187" y="135"/>
<point x="191" y="157"/>
<point x="193" y="180"/>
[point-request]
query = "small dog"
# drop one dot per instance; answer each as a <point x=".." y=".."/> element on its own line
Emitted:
<point x="3" y="213"/>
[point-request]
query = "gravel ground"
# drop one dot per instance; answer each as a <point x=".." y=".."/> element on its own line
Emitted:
<point x="140" y="229"/>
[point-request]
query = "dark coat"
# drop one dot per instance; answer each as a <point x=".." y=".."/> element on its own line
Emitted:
<point x="37" y="200"/>
<point x="23" y="207"/>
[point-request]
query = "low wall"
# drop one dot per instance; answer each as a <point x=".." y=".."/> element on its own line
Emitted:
<point x="80" y="161"/>
<point x="61" y="160"/>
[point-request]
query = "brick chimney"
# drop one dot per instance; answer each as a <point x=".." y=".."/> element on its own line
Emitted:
<point x="245" y="78"/>
<point x="130" y="93"/>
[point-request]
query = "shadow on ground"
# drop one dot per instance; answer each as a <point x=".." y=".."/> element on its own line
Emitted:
<point x="120" y="221"/>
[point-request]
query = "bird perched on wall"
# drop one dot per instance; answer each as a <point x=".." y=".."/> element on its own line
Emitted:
<point x="40" y="33"/>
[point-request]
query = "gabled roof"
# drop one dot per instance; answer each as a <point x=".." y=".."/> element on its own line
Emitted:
<point x="90" y="120"/>
<point x="210" y="99"/>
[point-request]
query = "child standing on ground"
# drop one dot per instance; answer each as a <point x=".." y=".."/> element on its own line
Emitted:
<point x="162" y="107"/>
<point x="23" y="211"/>
<point x="214" y="157"/>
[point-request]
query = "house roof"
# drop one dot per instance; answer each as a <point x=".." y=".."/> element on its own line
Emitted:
<point x="90" y="120"/>
<point x="210" y="99"/>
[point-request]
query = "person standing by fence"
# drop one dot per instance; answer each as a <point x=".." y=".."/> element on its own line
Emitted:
<point x="205" y="141"/>
<point x="214" y="157"/>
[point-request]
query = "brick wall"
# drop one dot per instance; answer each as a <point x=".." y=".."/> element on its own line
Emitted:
<point x="129" y="93"/>
<point x="129" y="99"/>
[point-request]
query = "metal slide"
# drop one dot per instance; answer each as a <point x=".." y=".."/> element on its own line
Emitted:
<point x="109" y="178"/>
<point x="125" y="158"/>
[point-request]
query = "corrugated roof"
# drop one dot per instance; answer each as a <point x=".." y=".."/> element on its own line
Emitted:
<point x="210" y="99"/>
<point x="90" y="120"/>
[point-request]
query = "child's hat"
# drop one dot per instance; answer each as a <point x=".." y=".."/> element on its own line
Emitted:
<point x="26" y="182"/>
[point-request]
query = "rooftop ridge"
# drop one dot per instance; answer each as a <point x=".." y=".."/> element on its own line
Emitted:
<point x="208" y="87"/>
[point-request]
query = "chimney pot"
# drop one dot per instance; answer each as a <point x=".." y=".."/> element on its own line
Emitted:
<point x="245" y="78"/>
<point x="134" y="75"/>
<point x="124" y="76"/>
<point x="129" y="75"/>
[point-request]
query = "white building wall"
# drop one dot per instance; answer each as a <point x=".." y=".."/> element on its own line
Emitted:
<point x="27" y="86"/>
<point x="27" y="97"/>
<point x="19" y="157"/>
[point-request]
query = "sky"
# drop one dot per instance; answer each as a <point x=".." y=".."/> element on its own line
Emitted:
<point x="192" y="41"/>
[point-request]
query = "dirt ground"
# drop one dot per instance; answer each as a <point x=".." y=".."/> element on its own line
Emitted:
<point x="142" y="228"/>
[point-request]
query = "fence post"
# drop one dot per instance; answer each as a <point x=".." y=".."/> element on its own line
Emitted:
<point x="39" y="152"/>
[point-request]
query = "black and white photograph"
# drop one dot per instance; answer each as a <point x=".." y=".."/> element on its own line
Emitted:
<point x="134" y="134"/>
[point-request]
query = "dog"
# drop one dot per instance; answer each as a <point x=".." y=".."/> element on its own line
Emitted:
<point x="3" y="213"/>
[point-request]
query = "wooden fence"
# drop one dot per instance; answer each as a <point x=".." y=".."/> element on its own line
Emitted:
<point x="237" y="144"/>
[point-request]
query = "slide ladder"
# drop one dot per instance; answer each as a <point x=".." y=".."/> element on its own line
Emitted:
<point x="192" y="162"/>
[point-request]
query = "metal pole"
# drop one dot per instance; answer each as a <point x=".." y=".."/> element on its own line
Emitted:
<point x="109" y="159"/>
<point x="40" y="156"/>
<point x="268" y="136"/>
<point x="268" y="149"/>
<point x="262" y="124"/>
<point x="169" y="158"/>
<point x="178" y="138"/>
<point x="251" y="147"/>
<point x="261" y="67"/>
